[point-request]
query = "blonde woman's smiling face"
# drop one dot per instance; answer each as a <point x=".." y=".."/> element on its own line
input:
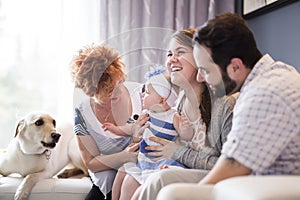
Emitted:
<point x="180" y="63"/>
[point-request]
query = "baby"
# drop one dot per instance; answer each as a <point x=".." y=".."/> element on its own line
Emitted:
<point x="158" y="97"/>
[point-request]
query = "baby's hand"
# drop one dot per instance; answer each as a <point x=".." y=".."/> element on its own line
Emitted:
<point x="163" y="166"/>
<point x="113" y="128"/>
<point x="169" y="167"/>
<point x="185" y="128"/>
<point x="109" y="127"/>
<point x="184" y="123"/>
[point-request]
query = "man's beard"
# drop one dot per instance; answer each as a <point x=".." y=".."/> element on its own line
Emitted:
<point x="226" y="87"/>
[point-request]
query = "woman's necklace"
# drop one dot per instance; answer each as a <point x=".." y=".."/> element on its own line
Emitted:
<point x="106" y="117"/>
<point x="99" y="112"/>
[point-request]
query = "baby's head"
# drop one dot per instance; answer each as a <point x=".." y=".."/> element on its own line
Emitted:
<point x="161" y="84"/>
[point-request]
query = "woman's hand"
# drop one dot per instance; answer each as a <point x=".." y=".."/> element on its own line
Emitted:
<point x="166" y="150"/>
<point x="131" y="152"/>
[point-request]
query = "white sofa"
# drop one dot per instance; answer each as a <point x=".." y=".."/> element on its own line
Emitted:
<point x="48" y="189"/>
<point x="238" y="188"/>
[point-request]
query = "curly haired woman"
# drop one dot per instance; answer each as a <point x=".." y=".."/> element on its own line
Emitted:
<point x="98" y="71"/>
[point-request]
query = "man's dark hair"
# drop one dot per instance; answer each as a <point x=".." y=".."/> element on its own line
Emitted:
<point x="228" y="36"/>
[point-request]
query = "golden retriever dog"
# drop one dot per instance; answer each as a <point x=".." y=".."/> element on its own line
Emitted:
<point x="39" y="151"/>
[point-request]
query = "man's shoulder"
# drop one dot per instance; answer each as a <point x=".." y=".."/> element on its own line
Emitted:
<point x="226" y="101"/>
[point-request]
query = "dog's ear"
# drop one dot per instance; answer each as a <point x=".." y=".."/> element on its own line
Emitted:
<point x="20" y="126"/>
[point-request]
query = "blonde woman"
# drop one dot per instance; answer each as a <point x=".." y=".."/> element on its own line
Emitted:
<point x="213" y="113"/>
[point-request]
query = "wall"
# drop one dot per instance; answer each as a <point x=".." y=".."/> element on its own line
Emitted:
<point x="278" y="32"/>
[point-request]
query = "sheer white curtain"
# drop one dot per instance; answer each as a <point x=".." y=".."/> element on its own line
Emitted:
<point x="37" y="41"/>
<point x="140" y="30"/>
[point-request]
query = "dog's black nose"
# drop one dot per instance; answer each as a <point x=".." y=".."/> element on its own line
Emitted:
<point x="55" y="136"/>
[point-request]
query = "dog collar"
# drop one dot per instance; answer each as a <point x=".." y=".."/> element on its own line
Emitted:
<point x="47" y="154"/>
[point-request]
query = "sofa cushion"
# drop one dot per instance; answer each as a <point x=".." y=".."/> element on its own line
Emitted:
<point x="53" y="188"/>
<point x="258" y="188"/>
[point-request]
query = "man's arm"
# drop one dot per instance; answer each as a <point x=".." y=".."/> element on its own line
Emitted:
<point x="225" y="168"/>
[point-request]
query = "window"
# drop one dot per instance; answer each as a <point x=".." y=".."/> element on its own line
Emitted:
<point x="37" y="42"/>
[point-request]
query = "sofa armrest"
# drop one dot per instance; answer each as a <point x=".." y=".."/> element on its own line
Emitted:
<point x="258" y="188"/>
<point x="48" y="189"/>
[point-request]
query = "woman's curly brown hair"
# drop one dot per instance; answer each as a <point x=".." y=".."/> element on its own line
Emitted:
<point x="95" y="69"/>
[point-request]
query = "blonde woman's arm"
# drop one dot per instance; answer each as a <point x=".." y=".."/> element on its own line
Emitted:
<point x="96" y="162"/>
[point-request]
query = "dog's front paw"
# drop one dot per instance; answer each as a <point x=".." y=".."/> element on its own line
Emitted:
<point x="21" y="195"/>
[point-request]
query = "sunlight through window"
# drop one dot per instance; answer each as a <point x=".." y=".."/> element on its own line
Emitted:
<point x="37" y="42"/>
